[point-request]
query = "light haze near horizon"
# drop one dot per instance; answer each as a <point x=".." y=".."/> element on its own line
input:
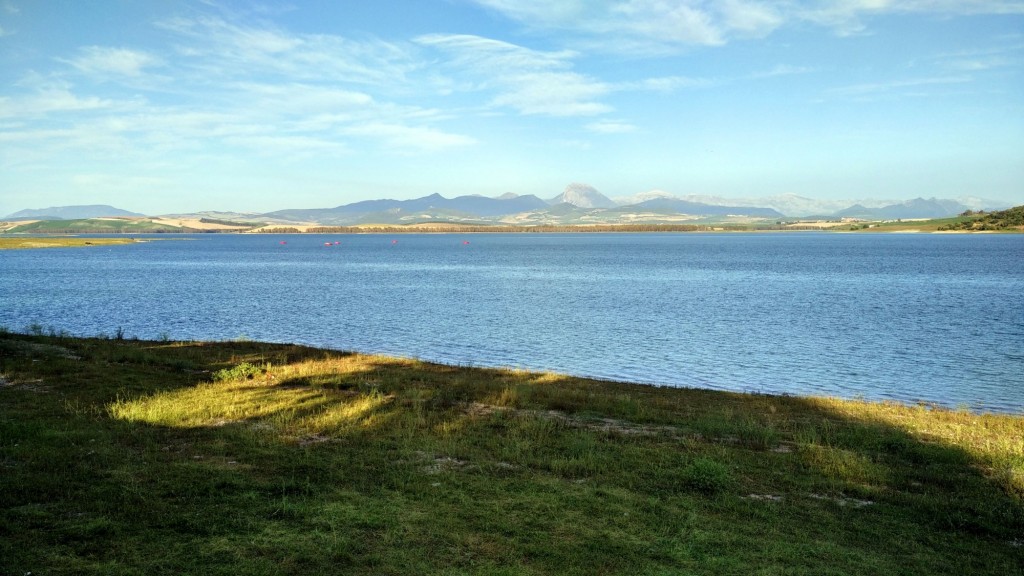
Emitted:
<point x="175" y="106"/>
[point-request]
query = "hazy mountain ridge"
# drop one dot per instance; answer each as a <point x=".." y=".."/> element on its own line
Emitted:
<point x="676" y="206"/>
<point x="72" y="213"/>
<point x="435" y="205"/>
<point x="577" y="204"/>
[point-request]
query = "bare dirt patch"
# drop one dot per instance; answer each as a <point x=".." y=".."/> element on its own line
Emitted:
<point x="597" y="424"/>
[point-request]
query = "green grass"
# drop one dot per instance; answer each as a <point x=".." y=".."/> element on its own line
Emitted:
<point x="96" y="226"/>
<point x="37" y="242"/>
<point x="134" y="457"/>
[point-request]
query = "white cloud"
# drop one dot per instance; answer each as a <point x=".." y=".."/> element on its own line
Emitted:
<point x="233" y="85"/>
<point x="416" y="138"/>
<point x="103" y="60"/>
<point x="302" y="98"/>
<point x="645" y="26"/>
<point x="221" y="49"/>
<point x="663" y="22"/>
<point x="283" y="145"/>
<point x="530" y="81"/>
<point x="752" y="18"/>
<point x="665" y="84"/>
<point x="611" y="127"/>
<point x="49" y="100"/>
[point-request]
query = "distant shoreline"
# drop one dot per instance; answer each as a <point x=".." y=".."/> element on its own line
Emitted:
<point x="891" y="228"/>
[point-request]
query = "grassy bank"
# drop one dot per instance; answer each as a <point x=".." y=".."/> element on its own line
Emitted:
<point x="15" y="243"/>
<point x="125" y="457"/>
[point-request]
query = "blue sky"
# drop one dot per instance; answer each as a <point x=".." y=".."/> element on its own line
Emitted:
<point x="178" y="105"/>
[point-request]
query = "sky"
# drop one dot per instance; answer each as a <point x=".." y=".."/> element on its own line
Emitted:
<point x="191" y="105"/>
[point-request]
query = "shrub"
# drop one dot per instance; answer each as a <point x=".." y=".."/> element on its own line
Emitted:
<point x="243" y="371"/>
<point x="707" y="476"/>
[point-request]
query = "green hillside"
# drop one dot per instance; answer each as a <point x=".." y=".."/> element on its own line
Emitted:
<point x="96" y="226"/>
<point x="1003" y="220"/>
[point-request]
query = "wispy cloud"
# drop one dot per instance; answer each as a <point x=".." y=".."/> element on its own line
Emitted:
<point x="646" y="25"/>
<point x="665" y="84"/>
<point x="529" y="81"/>
<point x="234" y="85"/>
<point x="104" y="61"/>
<point x="226" y="49"/>
<point x="1001" y="55"/>
<point x="659" y="25"/>
<point x="782" y="70"/>
<point x="411" y="137"/>
<point x="895" y="87"/>
<point x="47" y="97"/>
<point x="611" y="127"/>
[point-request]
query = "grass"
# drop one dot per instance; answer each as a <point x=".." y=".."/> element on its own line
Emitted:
<point x="96" y="226"/>
<point x="132" y="457"/>
<point x="14" y="243"/>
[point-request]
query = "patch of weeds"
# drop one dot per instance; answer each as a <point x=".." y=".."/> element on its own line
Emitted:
<point x="753" y="434"/>
<point x="707" y="476"/>
<point x="842" y="465"/>
<point x="1008" y="473"/>
<point x="243" y="371"/>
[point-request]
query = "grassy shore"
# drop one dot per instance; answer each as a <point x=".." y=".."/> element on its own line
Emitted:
<point x="15" y="243"/>
<point x="134" y="457"/>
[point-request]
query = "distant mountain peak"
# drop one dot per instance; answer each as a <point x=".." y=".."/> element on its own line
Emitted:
<point x="583" y="196"/>
<point x="643" y="197"/>
<point x="71" y="213"/>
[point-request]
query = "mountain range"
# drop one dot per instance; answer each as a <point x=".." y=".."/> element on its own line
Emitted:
<point x="577" y="204"/>
<point x="72" y="213"/>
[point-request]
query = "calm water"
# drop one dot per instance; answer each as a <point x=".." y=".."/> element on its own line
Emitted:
<point x="938" y="318"/>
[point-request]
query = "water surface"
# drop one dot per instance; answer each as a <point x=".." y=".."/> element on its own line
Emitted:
<point x="934" y="318"/>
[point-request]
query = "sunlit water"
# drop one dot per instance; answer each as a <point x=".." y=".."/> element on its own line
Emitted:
<point x="934" y="318"/>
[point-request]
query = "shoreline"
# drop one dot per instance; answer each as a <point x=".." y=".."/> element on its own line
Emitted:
<point x="247" y="457"/>
<point x="38" y="331"/>
<point x="625" y="229"/>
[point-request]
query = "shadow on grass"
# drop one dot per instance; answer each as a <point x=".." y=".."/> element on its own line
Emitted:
<point x="128" y="457"/>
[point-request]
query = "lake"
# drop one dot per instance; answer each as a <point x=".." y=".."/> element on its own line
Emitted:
<point x="915" y="318"/>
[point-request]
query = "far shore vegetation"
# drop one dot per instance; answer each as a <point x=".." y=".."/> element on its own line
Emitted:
<point x="1005" y="221"/>
<point x="123" y="456"/>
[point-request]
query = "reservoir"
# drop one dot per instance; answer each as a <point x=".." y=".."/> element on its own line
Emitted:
<point x="934" y="318"/>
